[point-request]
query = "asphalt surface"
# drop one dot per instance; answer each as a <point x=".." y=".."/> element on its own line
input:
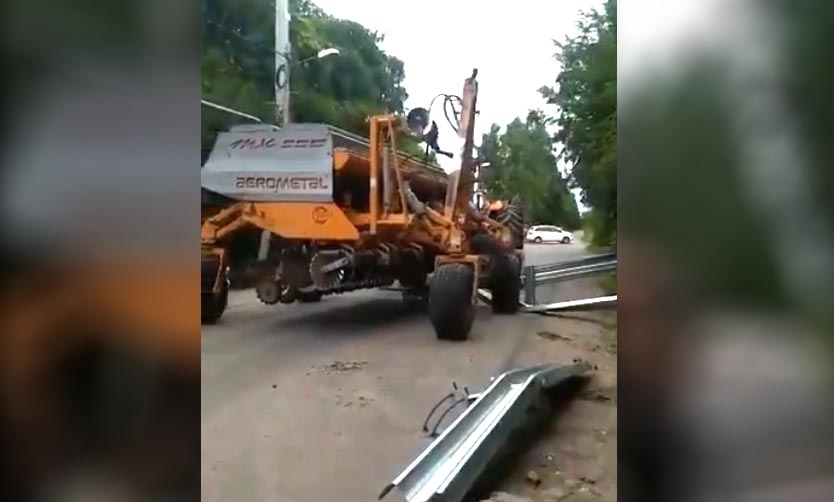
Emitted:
<point x="545" y="254"/>
<point x="325" y="401"/>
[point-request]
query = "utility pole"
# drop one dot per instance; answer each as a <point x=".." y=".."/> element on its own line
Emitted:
<point x="282" y="62"/>
<point x="282" y="87"/>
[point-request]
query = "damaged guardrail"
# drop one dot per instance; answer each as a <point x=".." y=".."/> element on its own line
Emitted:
<point x="448" y="468"/>
<point x="583" y="305"/>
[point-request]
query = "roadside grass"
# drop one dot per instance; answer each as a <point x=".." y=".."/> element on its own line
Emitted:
<point x="608" y="283"/>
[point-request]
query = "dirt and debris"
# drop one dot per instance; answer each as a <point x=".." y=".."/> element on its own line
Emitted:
<point x="554" y="494"/>
<point x="600" y="395"/>
<point x="340" y="366"/>
<point x="549" y="335"/>
<point x="533" y="478"/>
<point x="361" y="401"/>
<point x="505" y="497"/>
<point x="575" y="459"/>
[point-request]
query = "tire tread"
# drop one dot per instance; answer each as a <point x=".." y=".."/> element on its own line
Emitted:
<point x="450" y="301"/>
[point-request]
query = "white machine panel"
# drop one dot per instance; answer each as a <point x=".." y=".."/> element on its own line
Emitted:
<point x="294" y="164"/>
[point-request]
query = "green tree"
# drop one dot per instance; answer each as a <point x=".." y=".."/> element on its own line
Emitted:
<point x="586" y="95"/>
<point x="237" y="70"/>
<point x="523" y="165"/>
<point x="238" y="66"/>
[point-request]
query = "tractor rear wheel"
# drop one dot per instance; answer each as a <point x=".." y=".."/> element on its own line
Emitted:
<point x="214" y="304"/>
<point x="512" y="217"/>
<point x="451" y="309"/>
<point x="506" y="285"/>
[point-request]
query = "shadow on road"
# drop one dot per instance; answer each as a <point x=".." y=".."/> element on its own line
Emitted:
<point x="356" y="316"/>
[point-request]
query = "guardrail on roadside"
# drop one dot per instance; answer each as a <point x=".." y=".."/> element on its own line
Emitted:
<point x="587" y="260"/>
<point x="589" y="266"/>
<point x="574" y="269"/>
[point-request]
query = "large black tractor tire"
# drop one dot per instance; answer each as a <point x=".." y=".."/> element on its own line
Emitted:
<point x="213" y="305"/>
<point x="451" y="309"/>
<point x="506" y="285"/>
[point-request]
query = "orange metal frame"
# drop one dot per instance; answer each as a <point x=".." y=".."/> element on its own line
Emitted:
<point x="446" y="233"/>
<point x="328" y="221"/>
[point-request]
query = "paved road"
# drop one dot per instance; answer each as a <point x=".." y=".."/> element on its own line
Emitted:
<point x="278" y="424"/>
<point x="544" y="254"/>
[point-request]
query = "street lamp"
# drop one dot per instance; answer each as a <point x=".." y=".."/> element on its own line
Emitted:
<point x="332" y="51"/>
<point x="231" y="111"/>
<point x="282" y="79"/>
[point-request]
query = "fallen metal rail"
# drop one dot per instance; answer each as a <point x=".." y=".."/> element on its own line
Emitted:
<point x="448" y="468"/>
<point x="583" y="305"/>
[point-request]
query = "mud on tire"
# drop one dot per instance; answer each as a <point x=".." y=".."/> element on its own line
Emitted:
<point x="450" y="301"/>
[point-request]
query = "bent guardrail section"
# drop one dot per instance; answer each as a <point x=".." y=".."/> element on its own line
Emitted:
<point x="447" y="469"/>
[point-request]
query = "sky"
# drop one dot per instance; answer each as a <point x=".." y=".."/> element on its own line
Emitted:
<point x="440" y="42"/>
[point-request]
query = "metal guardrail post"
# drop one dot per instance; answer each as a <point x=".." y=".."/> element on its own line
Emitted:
<point x="530" y="285"/>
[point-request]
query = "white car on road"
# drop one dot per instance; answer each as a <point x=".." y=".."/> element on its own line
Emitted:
<point x="548" y="233"/>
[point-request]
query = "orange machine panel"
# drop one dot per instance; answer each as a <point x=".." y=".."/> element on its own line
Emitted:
<point x="303" y="220"/>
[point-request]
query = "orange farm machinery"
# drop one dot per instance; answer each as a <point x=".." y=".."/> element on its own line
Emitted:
<point x="343" y="213"/>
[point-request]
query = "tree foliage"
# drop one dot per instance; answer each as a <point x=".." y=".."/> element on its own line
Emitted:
<point x="238" y="65"/>
<point x="586" y="95"/>
<point x="523" y="165"/>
